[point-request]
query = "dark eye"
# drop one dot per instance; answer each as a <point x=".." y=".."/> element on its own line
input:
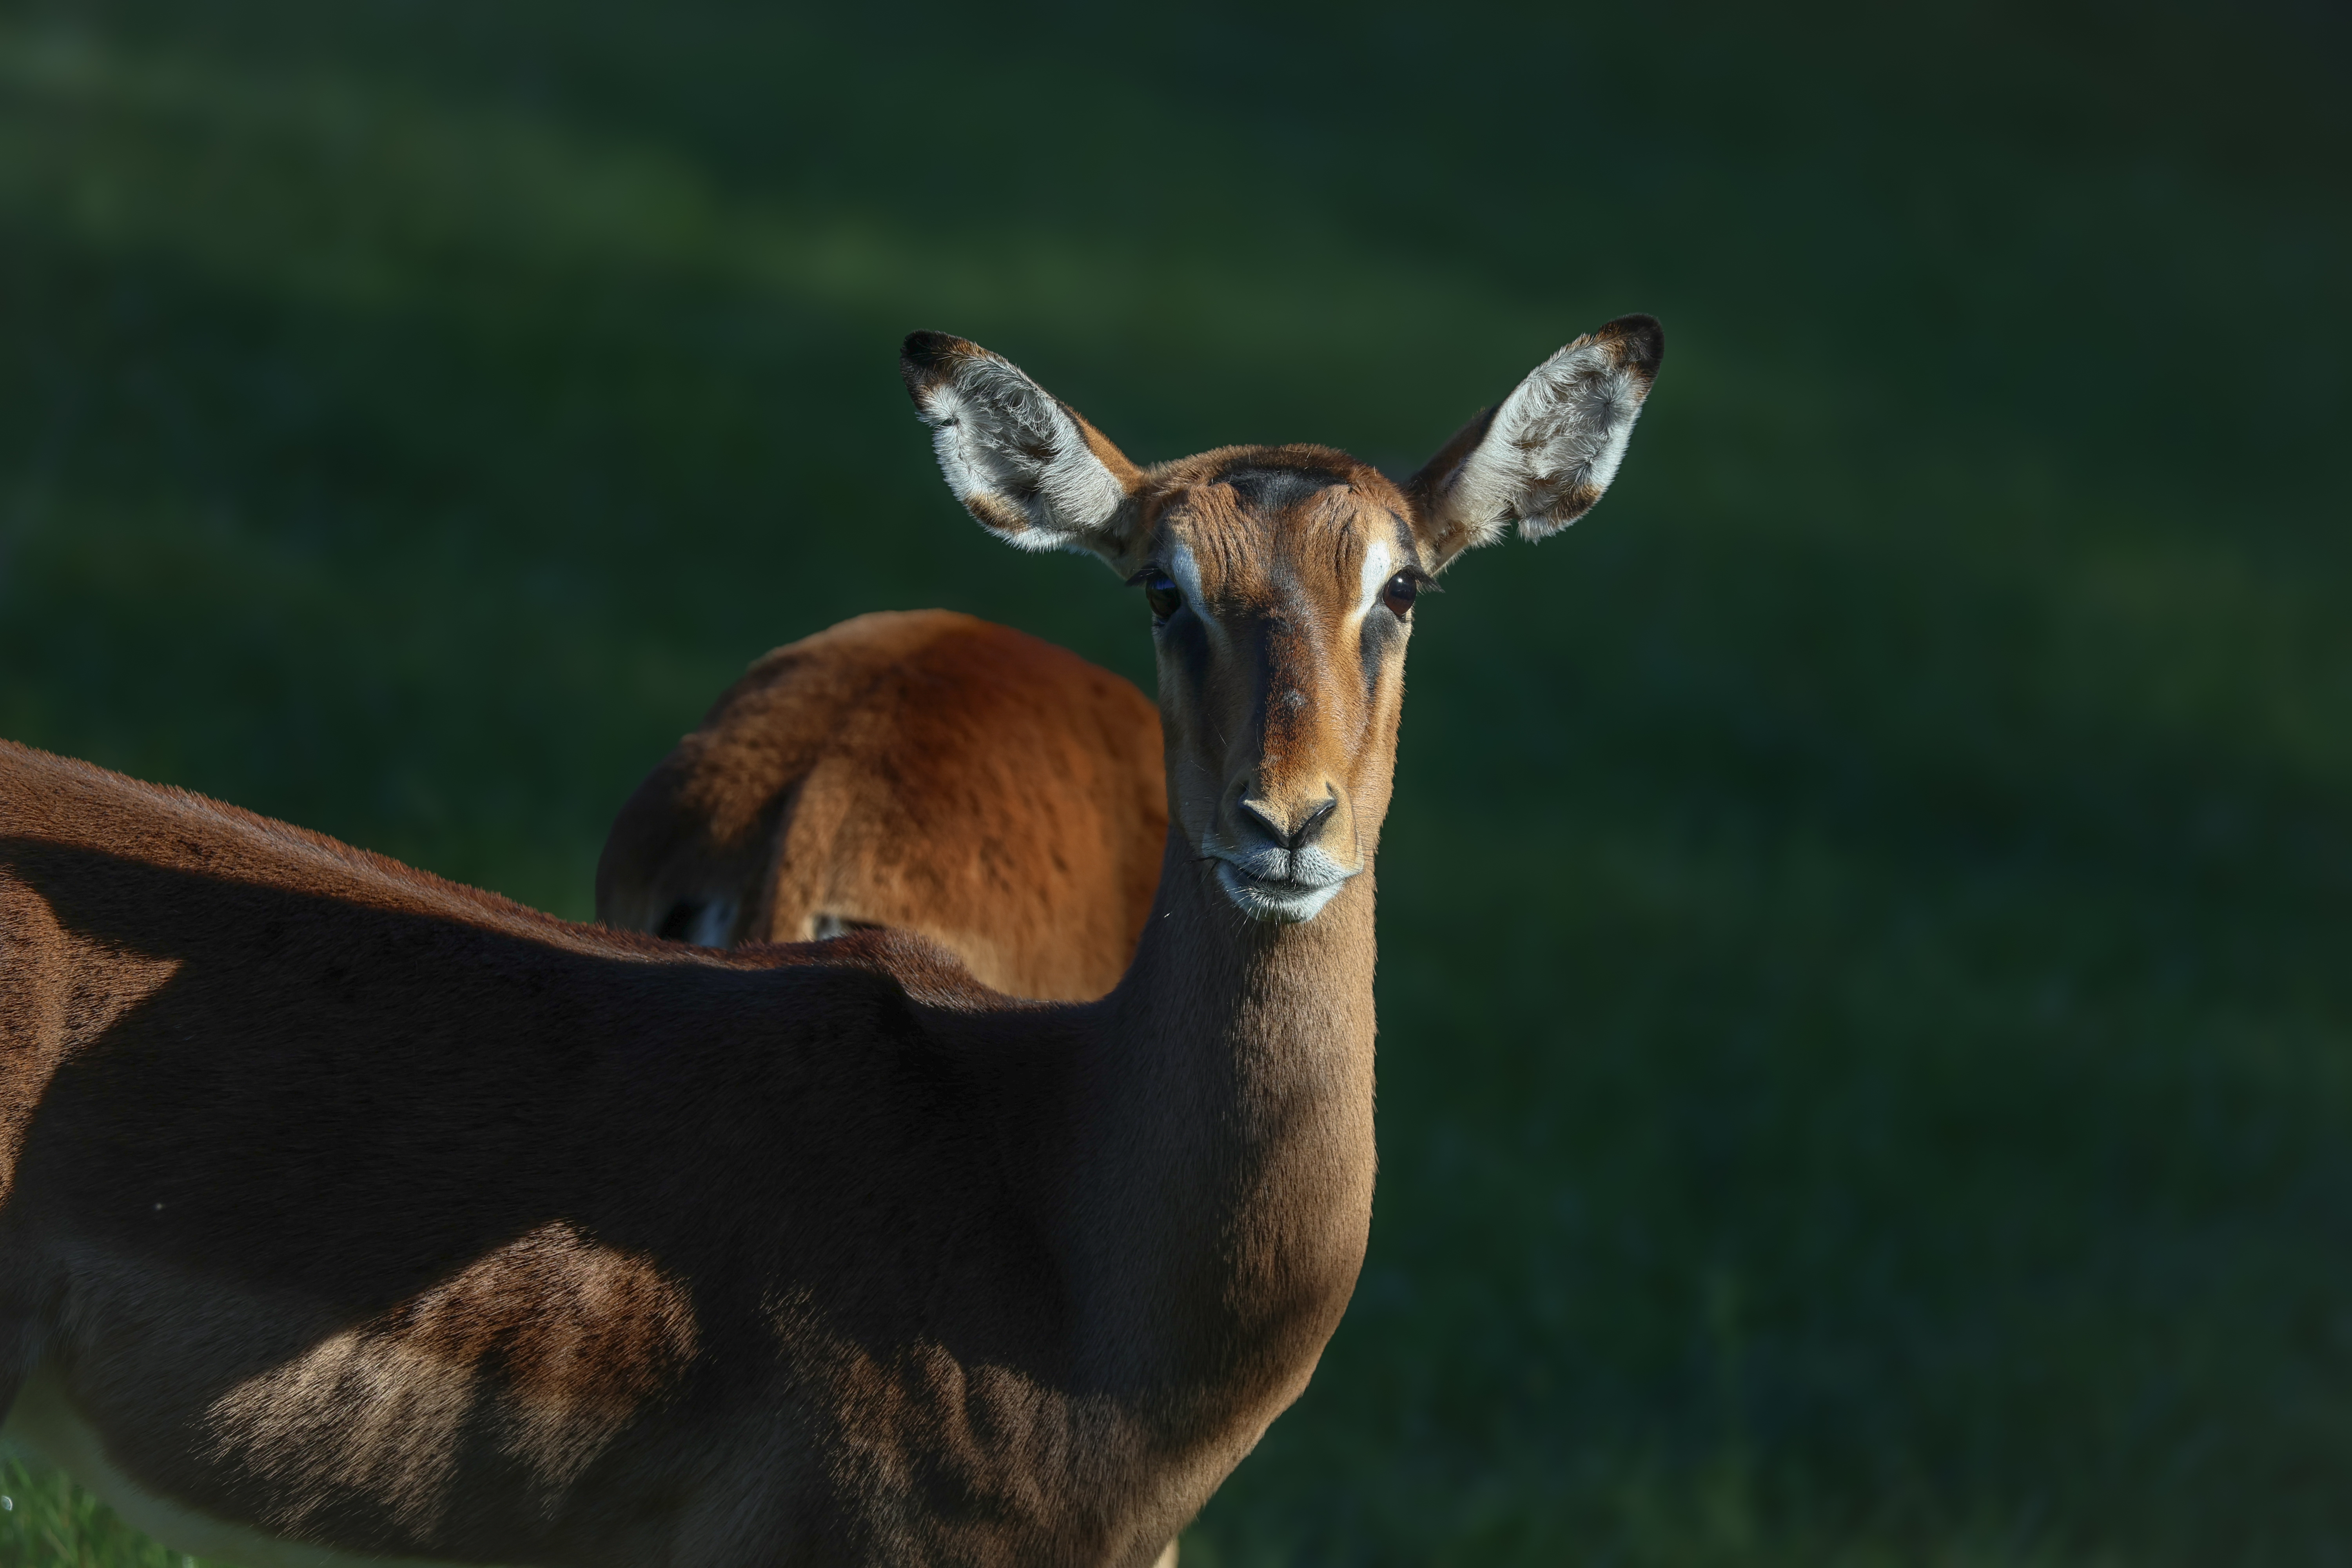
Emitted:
<point x="1159" y="591"/>
<point x="1403" y="590"/>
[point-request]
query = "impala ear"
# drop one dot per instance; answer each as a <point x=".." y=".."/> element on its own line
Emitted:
<point x="1035" y="474"/>
<point x="1543" y="455"/>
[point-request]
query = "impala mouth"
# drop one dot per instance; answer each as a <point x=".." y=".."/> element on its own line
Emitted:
<point x="1285" y="900"/>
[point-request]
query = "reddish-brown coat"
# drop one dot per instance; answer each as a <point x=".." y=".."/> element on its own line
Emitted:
<point x="921" y="769"/>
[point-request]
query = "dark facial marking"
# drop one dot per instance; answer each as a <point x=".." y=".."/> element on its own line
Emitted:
<point x="1267" y="490"/>
<point x="1408" y="547"/>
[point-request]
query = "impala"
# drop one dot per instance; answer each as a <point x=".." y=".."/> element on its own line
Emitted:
<point x="347" y="1212"/>
<point x="917" y="769"/>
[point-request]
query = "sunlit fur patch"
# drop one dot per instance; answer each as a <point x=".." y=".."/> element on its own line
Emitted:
<point x="62" y="991"/>
<point x="546" y="1347"/>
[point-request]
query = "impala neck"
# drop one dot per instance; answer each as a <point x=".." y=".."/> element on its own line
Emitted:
<point x="1229" y="1170"/>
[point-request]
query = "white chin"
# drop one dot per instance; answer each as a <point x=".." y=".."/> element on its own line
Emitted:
<point x="1286" y="903"/>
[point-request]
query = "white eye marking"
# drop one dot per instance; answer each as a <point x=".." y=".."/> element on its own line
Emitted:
<point x="1187" y="572"/>
<point x="1379" y="565"/>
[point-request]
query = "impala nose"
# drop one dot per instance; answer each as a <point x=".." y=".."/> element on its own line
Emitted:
<point x="1271" y="820"/>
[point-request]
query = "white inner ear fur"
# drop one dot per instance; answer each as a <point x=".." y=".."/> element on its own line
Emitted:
<point x="1000" y="437"/>
<point x="1554" y="445"/>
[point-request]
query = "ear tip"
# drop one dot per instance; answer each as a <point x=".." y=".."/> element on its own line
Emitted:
<point x="924" y="357"/>
<point x="927" y="345"/>
<point x="1640" y="341"/>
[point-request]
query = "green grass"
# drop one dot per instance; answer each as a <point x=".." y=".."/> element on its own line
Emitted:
<point x="1868" y="1063"/>
<point x="46" y="1521"/>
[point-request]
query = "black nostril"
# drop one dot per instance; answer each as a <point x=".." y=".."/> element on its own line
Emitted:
<point x="1250" y="809"/>
<point x="1297" y="838"/>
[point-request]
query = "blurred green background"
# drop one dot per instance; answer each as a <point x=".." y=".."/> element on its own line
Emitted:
<point x="1868" y="1054"/>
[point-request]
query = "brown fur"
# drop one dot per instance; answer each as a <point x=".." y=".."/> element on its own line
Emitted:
<point x="381" y="1213"/>
<point x="922" y="770"/>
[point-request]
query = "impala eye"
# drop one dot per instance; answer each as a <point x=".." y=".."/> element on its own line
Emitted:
<point x="1159" y="591"/>
<point x="1403" y="590"/>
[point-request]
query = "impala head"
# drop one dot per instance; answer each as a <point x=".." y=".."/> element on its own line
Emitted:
<point x="1282" y="580"/>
